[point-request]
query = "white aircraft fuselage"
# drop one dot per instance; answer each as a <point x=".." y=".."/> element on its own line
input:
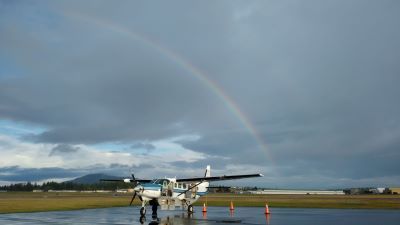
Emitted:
<point x="168" y="187"/>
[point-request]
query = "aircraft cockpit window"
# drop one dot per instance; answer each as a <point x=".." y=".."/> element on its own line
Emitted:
<point x="161" y="181"/>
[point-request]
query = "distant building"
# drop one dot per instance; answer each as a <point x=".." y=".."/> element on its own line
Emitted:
<point x="379" y="190"/>
<point x="62" y="191"/>
<point x="296" y="192"/>
<point x="363" y="191"/>
<point x="395" y="191"/>
<point x="103" y="191"/>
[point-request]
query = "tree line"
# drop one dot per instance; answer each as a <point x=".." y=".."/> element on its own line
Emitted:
<point x="110" y="186"/>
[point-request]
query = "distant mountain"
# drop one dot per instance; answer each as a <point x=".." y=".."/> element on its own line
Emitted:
<point x="92" y="178"/>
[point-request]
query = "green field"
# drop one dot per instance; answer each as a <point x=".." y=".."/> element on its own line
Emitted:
<point x="307" y="201"/>
<point x="34" y="202"/>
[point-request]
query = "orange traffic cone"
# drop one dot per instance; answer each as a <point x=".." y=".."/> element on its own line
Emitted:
<point x="266" y="209"/>
<point x="204" y="207"/>
<point x="231" y="207"/>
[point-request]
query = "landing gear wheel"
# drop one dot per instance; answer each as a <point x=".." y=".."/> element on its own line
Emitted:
<point x="190" y="209"/>
<point x="143" y="211"/>
<point x="142" y="219"/>
<point x="154" y="209"/>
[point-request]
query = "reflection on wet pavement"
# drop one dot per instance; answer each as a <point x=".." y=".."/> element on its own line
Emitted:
<point x="215" y="215"/>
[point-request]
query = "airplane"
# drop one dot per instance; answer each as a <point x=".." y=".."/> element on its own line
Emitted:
<point x="172" y="193"/>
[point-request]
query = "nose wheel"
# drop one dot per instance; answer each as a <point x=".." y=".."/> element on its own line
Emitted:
<point x="143" y="211"/>
<point x="190" y="209"/>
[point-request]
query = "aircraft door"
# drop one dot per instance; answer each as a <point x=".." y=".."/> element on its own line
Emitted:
<point x="193" y="191"/>
<point x="170" y="189"/>
<point x="167" y="188"/>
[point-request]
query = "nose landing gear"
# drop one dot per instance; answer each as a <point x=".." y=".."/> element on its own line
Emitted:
<point x="143" y="211"/>
<point x="142" y="219"/>
<point x="190" y="209"/>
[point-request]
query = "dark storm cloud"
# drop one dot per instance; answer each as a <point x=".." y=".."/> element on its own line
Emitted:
<point x="63" y="149"/>
<point x="16" y="173"/>
<point x="21" y="174"/>
<point x="146" y="146"/>
<point x="318" y="80"/>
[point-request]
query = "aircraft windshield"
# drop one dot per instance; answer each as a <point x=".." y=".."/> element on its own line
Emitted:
<point x="160" y="181"/>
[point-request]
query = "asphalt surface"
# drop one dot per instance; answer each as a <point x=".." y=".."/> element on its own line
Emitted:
<point x="215" y="215"/>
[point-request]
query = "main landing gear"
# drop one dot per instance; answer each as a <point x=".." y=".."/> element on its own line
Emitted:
<point x="154" y="206"/>
<point x="154" y="209"/>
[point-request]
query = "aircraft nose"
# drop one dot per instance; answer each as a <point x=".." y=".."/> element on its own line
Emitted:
<point x="138" y="188"/>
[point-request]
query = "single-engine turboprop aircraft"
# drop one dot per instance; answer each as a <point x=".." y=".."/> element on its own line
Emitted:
<point x="172" y="193"/>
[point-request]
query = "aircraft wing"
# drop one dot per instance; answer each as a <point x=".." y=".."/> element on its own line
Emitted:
<point x="127" y="180"/>
<point x="232" y="177"/>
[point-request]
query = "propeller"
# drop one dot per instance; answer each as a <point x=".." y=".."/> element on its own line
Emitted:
<point x="134" y="191"/>
<point x="133" y="198"/>
<point x="135" y="184"/>
<point x="134" y="181"/>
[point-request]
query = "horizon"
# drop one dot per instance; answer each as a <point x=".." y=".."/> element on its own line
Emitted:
<point x="216" y="184"/>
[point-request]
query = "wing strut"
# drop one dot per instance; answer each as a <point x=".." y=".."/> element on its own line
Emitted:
<point x="190" y="188"/>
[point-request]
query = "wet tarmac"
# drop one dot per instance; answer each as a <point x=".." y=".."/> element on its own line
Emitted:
<point x="215" y="215"/>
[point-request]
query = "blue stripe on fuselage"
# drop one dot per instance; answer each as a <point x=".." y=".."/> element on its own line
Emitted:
<point x="179" y="190"/>
<point x="198" y="193"/>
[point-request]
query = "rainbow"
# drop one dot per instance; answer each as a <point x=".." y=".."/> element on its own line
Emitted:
<point x="196" y="72"/>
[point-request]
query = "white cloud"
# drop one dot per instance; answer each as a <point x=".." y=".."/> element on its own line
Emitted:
<point x="16" y="152"/>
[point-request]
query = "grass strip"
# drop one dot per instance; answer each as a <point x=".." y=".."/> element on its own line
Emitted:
<point x="15" y="202"/>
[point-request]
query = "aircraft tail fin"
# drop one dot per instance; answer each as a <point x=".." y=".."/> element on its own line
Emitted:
<point x="203" y="187"/>
<point x="208" y="171"/>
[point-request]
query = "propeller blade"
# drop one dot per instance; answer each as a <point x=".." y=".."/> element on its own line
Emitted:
<point x="135" y="182"/>
<point x="133" y="198"/>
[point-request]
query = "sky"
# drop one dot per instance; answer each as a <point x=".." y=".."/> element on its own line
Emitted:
<point x="304" y="92"/>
